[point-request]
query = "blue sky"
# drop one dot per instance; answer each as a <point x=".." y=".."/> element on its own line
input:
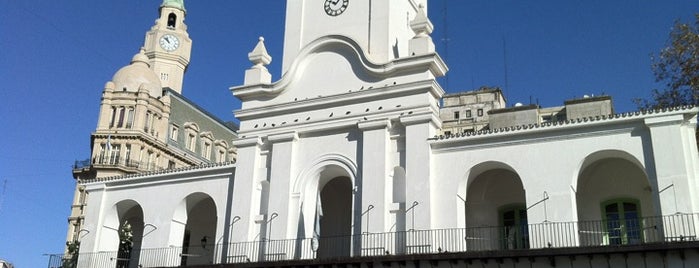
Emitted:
<point x="55" y="57"/>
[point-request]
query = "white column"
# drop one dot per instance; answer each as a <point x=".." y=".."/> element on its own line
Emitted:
<point x="375" y="141"/>
<point x="280" y="185"/>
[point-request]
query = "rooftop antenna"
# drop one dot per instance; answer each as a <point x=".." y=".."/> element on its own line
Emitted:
<point x="445" y="39"/>
<point x="504" y="52"/>
<point x="2" y="196"/>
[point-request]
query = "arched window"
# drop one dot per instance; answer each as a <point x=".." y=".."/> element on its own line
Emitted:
<point x="207" y="142"/>
<point x="191" y="131"/>
<point x="221" y="149"/>
<point x="171" y="20"/>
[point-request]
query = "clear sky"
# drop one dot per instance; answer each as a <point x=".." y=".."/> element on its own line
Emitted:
<point x="55" y="57"/>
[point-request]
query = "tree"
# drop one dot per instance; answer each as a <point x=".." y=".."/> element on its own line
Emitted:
<point x="70" y="260"/>
<point x="677" y="65"/>
<point x="125" y="245"/>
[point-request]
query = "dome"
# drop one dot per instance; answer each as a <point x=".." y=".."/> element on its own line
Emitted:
<point x="131" y="77"/>
<point x="179" y="4"/>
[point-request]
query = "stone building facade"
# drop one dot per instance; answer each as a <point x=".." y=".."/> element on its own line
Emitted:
<point x="145" y="123"/>
<point x="347" y="155"/>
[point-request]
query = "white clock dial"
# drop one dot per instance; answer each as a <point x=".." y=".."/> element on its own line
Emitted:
<point x="335" y="7"/>
<point x="169" y="42"/>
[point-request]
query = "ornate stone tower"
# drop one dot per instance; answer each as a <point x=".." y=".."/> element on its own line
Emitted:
<point x="143" y="126"/>
<point x="168" y="46"/>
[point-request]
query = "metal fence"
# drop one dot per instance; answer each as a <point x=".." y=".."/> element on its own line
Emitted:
<point x="660" y="229"/>
<point x="117" y="162"/>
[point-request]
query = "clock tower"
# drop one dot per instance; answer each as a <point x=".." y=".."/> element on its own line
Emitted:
<point x="381" y="28"/>
<point x="168" y="45"/>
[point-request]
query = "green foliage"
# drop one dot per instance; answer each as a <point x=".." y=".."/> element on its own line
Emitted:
<point x="70" y="260"/>
<point x="125" y="245"/>
<point x="677" y="65"/>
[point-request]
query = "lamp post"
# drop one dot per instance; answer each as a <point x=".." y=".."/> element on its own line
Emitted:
<point x="370" y="207"/>
<point x="415" y="203"/>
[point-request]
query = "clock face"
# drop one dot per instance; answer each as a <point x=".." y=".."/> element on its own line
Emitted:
<point x="335" y="7"/>
<point x="169" y="42"/>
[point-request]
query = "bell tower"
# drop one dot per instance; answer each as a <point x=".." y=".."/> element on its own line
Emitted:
<point x="168" y="45"/>
<point x="380" y="27"/>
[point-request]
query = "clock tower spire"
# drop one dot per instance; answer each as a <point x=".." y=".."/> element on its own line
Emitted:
<point x="168" y="45"/>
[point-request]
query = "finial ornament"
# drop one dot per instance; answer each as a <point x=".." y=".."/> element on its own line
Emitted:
<point x="259" y="56"/>
<point x="258" y="73"/>
<point x="421" y="25"/>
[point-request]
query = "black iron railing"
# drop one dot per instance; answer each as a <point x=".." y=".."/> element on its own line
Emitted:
<point x="117" y="162"/>
<point x="662" y="229"/>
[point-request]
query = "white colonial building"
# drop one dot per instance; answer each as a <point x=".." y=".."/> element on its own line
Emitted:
<point x="344" y="156"/>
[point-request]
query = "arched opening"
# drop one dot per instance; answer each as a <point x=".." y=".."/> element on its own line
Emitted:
<point x="613" y="194"/>
<point x="198" y="241"/>
<point x="334" y="226"/>
<point x="130" y="233"/>
<point x="496" y="216"/>
<point x="171" y="20"/>
<point x="327" y="217"/>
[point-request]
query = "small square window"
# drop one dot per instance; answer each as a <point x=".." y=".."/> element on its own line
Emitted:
<point x="480" y="112"/>
<point x="456" y="115"/>
<point x="468" y="113"/>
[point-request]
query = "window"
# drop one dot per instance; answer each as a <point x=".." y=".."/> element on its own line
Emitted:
<point x="149" y="117"/>
<point x="456" y="115"/>
<point x="191" y="141"/>
<point x="127" y="155"/>
<point x="622" y="220"/>
<point x="111" y="121"/>
<point x="129" y="117"/>
<point x="515" y="230"/>
<point x="103" y="152"/>
<point x="480" y="112"/>
<point x="174" y="131"/>
<point x="206" y="152"/>
<point x="221" y="156"/>
<point x="221" y="147"/>
<point x="191" y="130"/>
<point x="150" y="162"/>
<point x="122" y="110"/>
<point x="114" y="154"/>
<point x="468" y="113"/>
<point x="207" y="140"/>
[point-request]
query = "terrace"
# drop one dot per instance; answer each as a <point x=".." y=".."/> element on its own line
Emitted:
<point x="525" y="239"/>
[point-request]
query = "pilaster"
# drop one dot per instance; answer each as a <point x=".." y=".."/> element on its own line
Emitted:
<point x="673" y="174"/>
<point x="418" y="128"/>
<point x="246" y="196"/>
<point x="282" y="169"/>
<point x="375" y="147"/>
